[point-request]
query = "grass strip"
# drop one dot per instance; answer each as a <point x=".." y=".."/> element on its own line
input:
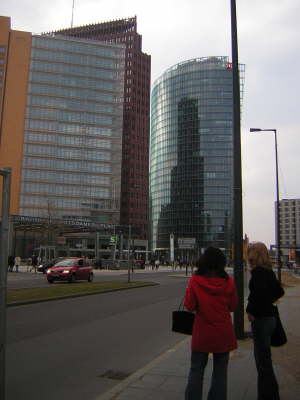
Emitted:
<point x="66" y="289"/>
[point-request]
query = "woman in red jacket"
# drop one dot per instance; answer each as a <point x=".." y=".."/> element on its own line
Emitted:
<point x="211" y="293"/>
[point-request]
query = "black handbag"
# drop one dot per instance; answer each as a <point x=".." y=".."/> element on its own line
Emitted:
<point x="278" y="337"/>
<point x="182" y="320"/>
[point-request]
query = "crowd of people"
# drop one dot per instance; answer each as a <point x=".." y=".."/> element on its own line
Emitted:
<point x="14" y="262"/>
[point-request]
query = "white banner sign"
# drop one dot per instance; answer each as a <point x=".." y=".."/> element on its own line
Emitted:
<point x="186" y="243"/>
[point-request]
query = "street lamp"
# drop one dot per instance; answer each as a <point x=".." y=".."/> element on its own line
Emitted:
<point x="237" y="180"/>
<point x="4" y="236"/>
<point x="278" y="244"/>
<point x="128" y="254"/>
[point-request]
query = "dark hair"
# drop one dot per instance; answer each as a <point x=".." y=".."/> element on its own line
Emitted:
<point x="212" y="263"/>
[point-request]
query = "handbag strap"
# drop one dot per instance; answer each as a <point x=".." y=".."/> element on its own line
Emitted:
<point x="181" y="306"/>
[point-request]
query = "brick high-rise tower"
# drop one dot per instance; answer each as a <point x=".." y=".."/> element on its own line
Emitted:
<point x="135" y="161"/>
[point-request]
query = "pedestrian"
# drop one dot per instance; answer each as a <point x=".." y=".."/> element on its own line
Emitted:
<point x="180" y="263"/>
<point x="152" y="263"/>
<point x="29" y="263"/>
<point x="11" y="263"/>
<point x="264" y="290"/>
<point x="212" y="295"/>
<point x="157" y="262"/>
<point x="98" y="263"/>
<point x="34" y="263"/>
<point x="17" y="263"/>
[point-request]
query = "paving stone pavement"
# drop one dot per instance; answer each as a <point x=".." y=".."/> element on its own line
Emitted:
<point x="165" y="378"/>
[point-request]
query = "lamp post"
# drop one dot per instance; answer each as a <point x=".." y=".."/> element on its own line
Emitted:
<point x="237" y="184"/>
<point x="4" y="237"/>
<point x="278" y="241"/>
<point x="128" y="254"/>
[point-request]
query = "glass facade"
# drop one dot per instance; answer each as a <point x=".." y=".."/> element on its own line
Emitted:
<point x="136" y="116"/>
<point x="72" y="149"/>
<point x="191" y="162"/>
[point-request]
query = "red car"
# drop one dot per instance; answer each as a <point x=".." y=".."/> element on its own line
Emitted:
<point x="139" y="262"/>
<point x="71" y="270"/>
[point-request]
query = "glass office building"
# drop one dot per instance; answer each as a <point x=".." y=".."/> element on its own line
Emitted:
<point x="136" y="115"/>
<point x="72" y="148"/>
<point x="191" y="163"/>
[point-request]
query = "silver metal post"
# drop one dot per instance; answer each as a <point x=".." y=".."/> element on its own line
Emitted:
<point x="114" y="247"/>
<point x="128" y="259"/>
<point x="72" y="19"/>
<point x="6" y="173"/>
<point x="96" y="245"/>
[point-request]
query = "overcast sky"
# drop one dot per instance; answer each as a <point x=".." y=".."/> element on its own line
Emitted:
<point x="176" y="30"/>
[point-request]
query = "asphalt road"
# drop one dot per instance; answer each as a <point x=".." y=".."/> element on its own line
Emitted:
<point x="76" y="348"/>
<point x="24" y="279"/>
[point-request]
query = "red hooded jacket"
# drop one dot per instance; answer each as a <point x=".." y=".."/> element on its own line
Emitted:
<point x="213" y="299"/>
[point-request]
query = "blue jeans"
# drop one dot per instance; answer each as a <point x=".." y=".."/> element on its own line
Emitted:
<point x="267" y="386"/>
<point x="218" y="387"/>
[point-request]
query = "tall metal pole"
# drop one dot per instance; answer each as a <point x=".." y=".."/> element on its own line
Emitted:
<point x="128" y="256"/>
<point x="6" y="173"/>
<point x="278" y="239"/>
<point x="96" y="245"/>
<point x="114" y="246"/>
<point x="278" y="235"/>
<point x="4" y="83"/>
<point x="237" y="190"/>
<point x="72" y="14"/>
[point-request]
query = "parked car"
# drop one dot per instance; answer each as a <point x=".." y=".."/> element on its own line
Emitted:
<point x="71" y="270"/>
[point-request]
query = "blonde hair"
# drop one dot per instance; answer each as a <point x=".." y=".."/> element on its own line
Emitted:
<point x="258" y="255"/>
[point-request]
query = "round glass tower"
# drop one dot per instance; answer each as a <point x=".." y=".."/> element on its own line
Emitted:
<point x="191" y="162"/>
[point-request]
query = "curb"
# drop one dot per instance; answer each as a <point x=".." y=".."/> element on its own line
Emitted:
<point x="71" y="296"/>
<point x="117" y="389"/>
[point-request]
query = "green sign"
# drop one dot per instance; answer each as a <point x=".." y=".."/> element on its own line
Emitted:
<point x="113" y="240"/>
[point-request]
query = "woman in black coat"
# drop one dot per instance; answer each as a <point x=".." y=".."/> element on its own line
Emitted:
<point x="265" y="289"/>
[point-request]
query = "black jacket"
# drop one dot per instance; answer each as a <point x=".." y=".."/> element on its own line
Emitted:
<point x="265" y="289"/>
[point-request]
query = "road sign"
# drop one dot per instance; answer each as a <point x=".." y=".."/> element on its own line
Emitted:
<point x="186" y="243"/>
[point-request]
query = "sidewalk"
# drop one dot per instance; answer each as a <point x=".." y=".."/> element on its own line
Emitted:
<point x="165" y="378"/>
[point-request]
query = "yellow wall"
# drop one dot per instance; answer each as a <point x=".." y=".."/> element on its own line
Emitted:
<point x="13" y="112"/>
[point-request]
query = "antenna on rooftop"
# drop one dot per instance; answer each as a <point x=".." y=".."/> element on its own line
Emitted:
<point x="72" y="14"/>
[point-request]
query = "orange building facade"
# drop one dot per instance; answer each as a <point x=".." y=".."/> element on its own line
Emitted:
<point x="15" y="48"/>
<point x="65" y="135"/>
<point x="61" y="124"/>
